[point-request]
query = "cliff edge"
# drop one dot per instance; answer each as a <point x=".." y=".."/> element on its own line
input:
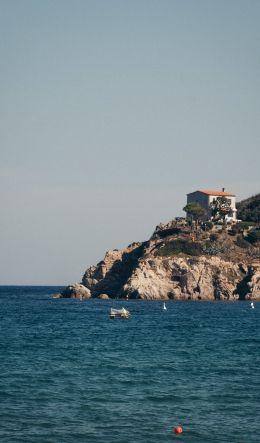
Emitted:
<point x="179" y="264"/>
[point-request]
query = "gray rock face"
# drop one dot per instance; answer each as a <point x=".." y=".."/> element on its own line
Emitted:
<point x="110" y="275"/>
<point x="180" y="277"/>
<point x="202" y="278"/>
<point x="76" y="290"/>
<point x="103" y="297"/>
<point x="220" y="271"/>
<point x="254" y="283"/>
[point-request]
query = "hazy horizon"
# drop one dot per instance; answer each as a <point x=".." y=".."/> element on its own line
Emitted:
<point x="111" y="112"/>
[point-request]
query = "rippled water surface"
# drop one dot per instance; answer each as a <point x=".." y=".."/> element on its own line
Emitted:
<point x="70" y="374"/>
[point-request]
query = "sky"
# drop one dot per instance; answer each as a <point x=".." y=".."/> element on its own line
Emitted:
<point x="110" y="113"/>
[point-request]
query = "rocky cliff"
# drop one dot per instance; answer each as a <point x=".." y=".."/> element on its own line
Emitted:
<point x="180" y="265"/>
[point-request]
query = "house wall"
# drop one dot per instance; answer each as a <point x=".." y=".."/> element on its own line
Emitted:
<point x="204" y="200"/>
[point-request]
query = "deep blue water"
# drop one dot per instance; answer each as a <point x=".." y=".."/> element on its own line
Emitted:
<point x="70" y="374"/>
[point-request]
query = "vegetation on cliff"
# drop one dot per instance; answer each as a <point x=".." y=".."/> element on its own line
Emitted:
<point x="249" y="209"/>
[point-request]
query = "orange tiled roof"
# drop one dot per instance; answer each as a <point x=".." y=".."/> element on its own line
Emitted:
<point x="217" y="193"/>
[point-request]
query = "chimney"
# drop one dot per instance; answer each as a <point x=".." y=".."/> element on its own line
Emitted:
<point x="223" y="189"/>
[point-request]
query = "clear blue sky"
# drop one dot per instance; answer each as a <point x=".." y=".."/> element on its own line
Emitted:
<point x="111" y="111"/>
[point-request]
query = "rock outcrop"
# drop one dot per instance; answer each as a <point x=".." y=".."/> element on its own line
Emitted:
<point x="254" y="283"/>
<point x="103" y="296"/>
<point x="202" y="278"/>
<point x="110" y="275"/>
<point x="76" y="290"/>
<point x="183" y="278"/>
<point x="173" y="265"/>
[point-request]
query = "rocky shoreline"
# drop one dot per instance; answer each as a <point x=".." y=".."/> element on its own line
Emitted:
<point x="201" y="269"/>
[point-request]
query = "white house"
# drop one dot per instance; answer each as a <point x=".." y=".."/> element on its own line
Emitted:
<point x="205" y="198"/>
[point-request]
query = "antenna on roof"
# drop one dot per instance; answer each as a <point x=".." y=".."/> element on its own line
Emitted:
<point x="223" y="189"/>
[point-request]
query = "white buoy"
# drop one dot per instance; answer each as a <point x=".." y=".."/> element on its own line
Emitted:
<point x="252" y="305"/>
<point x="164" y="307"/>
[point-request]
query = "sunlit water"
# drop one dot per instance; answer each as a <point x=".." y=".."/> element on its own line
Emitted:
<point x="70" y="374"/>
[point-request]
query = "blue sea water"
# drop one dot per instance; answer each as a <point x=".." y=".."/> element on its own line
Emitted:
<point x="70" y="374"/>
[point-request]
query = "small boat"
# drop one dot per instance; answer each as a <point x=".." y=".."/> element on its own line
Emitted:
<point x="119" y="313"/>
<point x="164" y="307"/>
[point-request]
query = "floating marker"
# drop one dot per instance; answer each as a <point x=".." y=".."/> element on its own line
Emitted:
<point x="178" y="430"/>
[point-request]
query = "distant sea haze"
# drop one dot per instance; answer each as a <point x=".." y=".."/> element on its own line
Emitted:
<point x="70" y="374"/>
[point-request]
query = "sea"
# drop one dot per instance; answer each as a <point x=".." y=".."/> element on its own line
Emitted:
<point x="69" y="373"/>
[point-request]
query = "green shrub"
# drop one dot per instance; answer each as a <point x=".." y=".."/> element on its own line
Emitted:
<point x="178" y="246"/>
<point x="249" y="209"/>
<point x="167" y="232"/>
<point x="245" y="225"/>
<point x="241" y="226"/>
<point x="213" y="248"/>
<point x="192" y="248"/>
<point x="242" y="243"/>
<point x="254" y="236"/>
<point x="213" y="237"/>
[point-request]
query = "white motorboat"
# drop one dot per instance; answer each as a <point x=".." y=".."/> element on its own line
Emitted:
<point x="119" y="313"/>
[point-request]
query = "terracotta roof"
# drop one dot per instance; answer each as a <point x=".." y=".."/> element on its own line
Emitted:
<point x="217" y="193"/>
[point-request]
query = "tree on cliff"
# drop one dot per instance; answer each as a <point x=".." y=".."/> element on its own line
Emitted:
<point x="220" y="207"/>
<point x="194" y="212"/>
